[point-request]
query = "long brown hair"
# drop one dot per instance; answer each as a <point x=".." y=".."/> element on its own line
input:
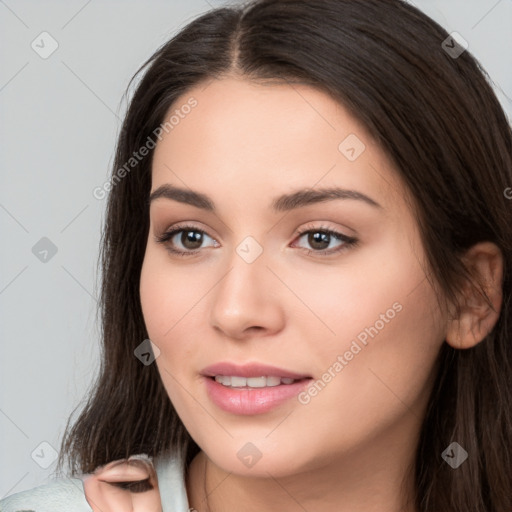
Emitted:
<point x="438" y="119"/>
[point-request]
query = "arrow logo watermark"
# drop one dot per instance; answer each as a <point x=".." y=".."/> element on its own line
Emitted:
<point x="44" y="250"/>
<point x="147" y="352"/>
<point x="249" y="454"/>
<point x="249" y="249"/>
<point x="454" y="455"/>
<point x="351" y="147"/>
<point x="44" y="45"/>
<point x="44" y="455"/>
<point x="454" y="45"/>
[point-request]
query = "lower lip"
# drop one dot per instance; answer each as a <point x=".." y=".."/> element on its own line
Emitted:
<point x="248" y="401"/>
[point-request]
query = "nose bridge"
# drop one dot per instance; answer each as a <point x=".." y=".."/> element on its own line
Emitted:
<point x="241" y="299"/>
<point x="245" y="279"/>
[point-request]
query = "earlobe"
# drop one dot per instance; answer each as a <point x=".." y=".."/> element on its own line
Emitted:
<point x="478" y="314"/>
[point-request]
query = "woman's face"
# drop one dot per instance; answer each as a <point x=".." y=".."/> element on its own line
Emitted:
<point x="265" y="291"/>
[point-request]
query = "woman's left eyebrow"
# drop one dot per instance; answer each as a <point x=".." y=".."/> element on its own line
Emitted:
<point x="309" y="196"/>
<point x="285" y="202"/>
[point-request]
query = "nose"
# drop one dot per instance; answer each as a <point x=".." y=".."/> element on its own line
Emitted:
<point x="247" y="302"/>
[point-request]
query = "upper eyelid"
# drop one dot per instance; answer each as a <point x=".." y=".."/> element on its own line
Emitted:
<point x="178" y="228"/>
<point x="184" y="226"/>
<point x="308" y="227"/>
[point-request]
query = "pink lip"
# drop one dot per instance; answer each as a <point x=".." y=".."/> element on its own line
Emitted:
<point x="250" y="370"/>
<point x="248" y="401"/>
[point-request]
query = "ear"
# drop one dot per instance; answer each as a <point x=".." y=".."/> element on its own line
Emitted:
<point x="477" y="315"/>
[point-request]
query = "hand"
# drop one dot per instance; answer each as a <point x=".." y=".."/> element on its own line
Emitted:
<point x="126" y="485"/>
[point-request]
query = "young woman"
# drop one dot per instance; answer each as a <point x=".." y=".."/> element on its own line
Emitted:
<point x="306" y="275"/>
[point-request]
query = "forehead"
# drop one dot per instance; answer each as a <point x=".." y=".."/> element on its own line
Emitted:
<point x="256" y="137"/>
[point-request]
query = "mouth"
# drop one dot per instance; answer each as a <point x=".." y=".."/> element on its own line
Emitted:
<point x="253" y="388"/>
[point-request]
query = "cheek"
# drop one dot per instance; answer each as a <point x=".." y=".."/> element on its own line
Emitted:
<point x="167" y="299"/>
<point x="371" y="296"/>
<point x="384" y="333"/>
<point x="167" y="295"/>
<point x="173" y="301"/>
<point x="378" y="365"/>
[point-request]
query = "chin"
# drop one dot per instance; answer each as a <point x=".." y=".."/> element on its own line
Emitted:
<point x="259" y="458"/>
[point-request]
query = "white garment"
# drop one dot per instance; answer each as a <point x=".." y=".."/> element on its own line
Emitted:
<point x="67" y="494"/>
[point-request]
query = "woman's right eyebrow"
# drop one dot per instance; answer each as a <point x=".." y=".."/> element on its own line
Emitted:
<point x="183" y="195"/>
<point x="283" y="203"/>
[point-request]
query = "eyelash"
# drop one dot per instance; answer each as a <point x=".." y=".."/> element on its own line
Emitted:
<point x="348" y="241"/>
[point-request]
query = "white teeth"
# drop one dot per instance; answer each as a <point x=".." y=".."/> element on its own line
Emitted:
<point x="252" y="382"/>
<point x="256" y="382"/>
<point x="238" y="382"/>
<point x="273" y="381"/>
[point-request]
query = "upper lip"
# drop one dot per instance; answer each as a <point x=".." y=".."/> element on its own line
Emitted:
<point x="250" y="370"/>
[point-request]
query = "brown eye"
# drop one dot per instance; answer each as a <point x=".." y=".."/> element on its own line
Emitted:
<point x="184" y="240"/>
<point x="321" y="238"/>
<point x="136" y="486"/>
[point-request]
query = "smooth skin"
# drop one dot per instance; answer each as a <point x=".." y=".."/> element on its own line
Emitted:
<point x="353" y="445"/>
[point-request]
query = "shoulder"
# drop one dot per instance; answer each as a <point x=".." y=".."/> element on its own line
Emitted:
<point x="69" y="494"/>
<point x="61" y="495"/>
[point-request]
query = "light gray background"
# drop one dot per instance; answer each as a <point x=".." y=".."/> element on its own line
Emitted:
<point x="59" y="121"/>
